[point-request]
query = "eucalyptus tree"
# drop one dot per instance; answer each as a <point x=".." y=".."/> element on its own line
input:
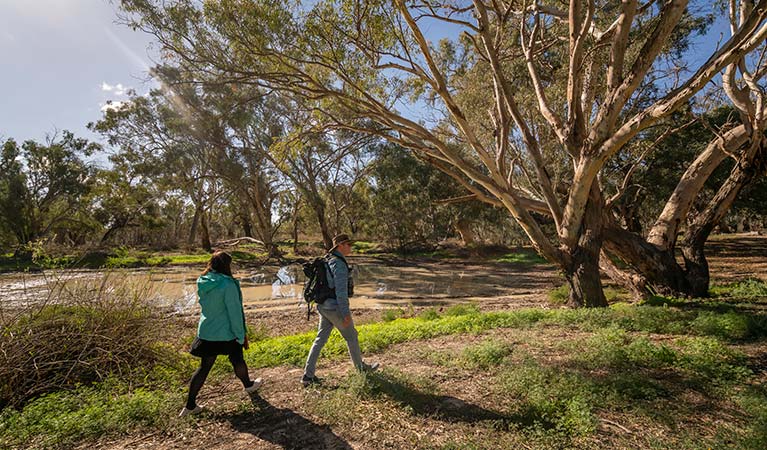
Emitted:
<point x="153" y="135"/>
<point x="124" y="198"/>
<point x="413" y="204"/>
<point x="741" y="140"/>
<point x="370" y="67"/>
<point x="321" y="164"/>
<point x="238" y="128"/>
<point x="42" y="186"/>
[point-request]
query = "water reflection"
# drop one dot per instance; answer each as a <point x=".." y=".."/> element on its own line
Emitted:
<point x="268" y="288"/>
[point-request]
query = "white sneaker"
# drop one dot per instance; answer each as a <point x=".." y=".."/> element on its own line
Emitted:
<point x="197" y="410"/>
<point x="256" y="384"/>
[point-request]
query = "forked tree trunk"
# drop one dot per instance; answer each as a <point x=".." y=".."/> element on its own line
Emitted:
<point x="659" y="268"/>
<point x="630" y="279"/>
<point x="582" y="273"/>
<point x="693" y="246"/>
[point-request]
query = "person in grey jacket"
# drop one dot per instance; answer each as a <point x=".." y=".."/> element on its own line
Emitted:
<point x="335" y="312"/>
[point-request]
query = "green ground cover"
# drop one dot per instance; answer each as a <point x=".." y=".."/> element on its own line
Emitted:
<point x="630" y="361"/>
<point x="120" y="258"/>
<point x="522" y="257"/>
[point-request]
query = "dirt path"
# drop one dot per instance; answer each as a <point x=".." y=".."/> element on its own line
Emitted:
<point x="449" y="405"/>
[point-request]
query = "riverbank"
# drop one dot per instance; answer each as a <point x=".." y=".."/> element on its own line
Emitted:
<point x="118" y="259"/>
<point x="246" y="255"/>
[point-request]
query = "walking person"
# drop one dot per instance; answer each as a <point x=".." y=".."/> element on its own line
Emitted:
<point x="221" y="330"/>
<point x="335" y="312"/>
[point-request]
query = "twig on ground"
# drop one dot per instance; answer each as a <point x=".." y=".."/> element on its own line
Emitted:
<point x="610" y="422"/>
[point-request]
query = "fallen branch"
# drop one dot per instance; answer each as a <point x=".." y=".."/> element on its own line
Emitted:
<point x="237" y="241"/>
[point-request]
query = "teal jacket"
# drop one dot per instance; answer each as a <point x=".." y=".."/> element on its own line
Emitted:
<point x="222" y="317"/>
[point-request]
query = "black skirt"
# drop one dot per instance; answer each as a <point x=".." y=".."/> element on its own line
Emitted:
<point x="202" y="348"/>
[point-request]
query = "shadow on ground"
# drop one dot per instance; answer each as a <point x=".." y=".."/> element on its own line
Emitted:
<point x="285" y="428"/>
<point x="451" y="409"/>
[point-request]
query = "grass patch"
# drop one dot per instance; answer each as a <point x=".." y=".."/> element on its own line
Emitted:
<point x="749" y="288"/>
<point x="561" y="295"/>
<point x="550" y="399"/>
<point x="120" y="258"/>
<point x="366" y="248"/>
<point x="429" y="314"/>
<point x="705" y="362"/>
<point x="557" y="404"/>
<point x="669" y="386"/>
<point x="441" y="253"/>
<point x="63" y="418"/>
<point x="487" y="354"/>
<point x="379" y="336"/>
<point x="523" y="257"/>
<point x="461" y="310"/>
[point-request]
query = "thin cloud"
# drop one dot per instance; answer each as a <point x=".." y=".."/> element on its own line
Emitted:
<point x="117" y="89"/>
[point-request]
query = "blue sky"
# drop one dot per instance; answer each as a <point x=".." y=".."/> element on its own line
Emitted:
<point x="62" y="60"/>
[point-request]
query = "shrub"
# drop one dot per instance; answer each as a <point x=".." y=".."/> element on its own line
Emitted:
<point x="461" y="310"/>
<point x="392" y="314"/>
<point x="429" y="314"/>
<point x="82" y="333"/>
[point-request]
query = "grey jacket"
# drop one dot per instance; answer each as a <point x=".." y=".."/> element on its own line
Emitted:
<point x="338" y="277"/>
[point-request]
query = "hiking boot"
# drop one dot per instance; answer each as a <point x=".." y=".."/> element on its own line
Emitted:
<point x="186" y="411"/>
<point x="370" y="367"/>
<point x="254" y="387"/>
<point x="306" y="381"/>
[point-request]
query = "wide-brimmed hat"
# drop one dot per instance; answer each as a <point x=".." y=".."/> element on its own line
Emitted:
<point x="340" y="239"/>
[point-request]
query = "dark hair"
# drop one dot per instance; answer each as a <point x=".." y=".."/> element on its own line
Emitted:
<point x="220" y="262"/>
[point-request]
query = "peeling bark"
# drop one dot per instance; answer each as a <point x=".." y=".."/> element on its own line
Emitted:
<point x="582" y="271"/>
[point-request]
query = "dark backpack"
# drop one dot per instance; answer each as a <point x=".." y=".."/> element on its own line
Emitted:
<point x="316" y="288"/>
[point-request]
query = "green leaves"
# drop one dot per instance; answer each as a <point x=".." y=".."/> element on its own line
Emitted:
<point x="42" y="185"/>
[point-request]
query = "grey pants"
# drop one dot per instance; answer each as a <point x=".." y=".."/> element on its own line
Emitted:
<point x="330" y="318"/>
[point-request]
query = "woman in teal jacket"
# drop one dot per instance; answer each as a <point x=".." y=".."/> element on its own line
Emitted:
<point x="221" y="330"/>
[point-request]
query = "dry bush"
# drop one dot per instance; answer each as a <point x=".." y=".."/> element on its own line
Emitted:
<point x="82" y="332"/>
